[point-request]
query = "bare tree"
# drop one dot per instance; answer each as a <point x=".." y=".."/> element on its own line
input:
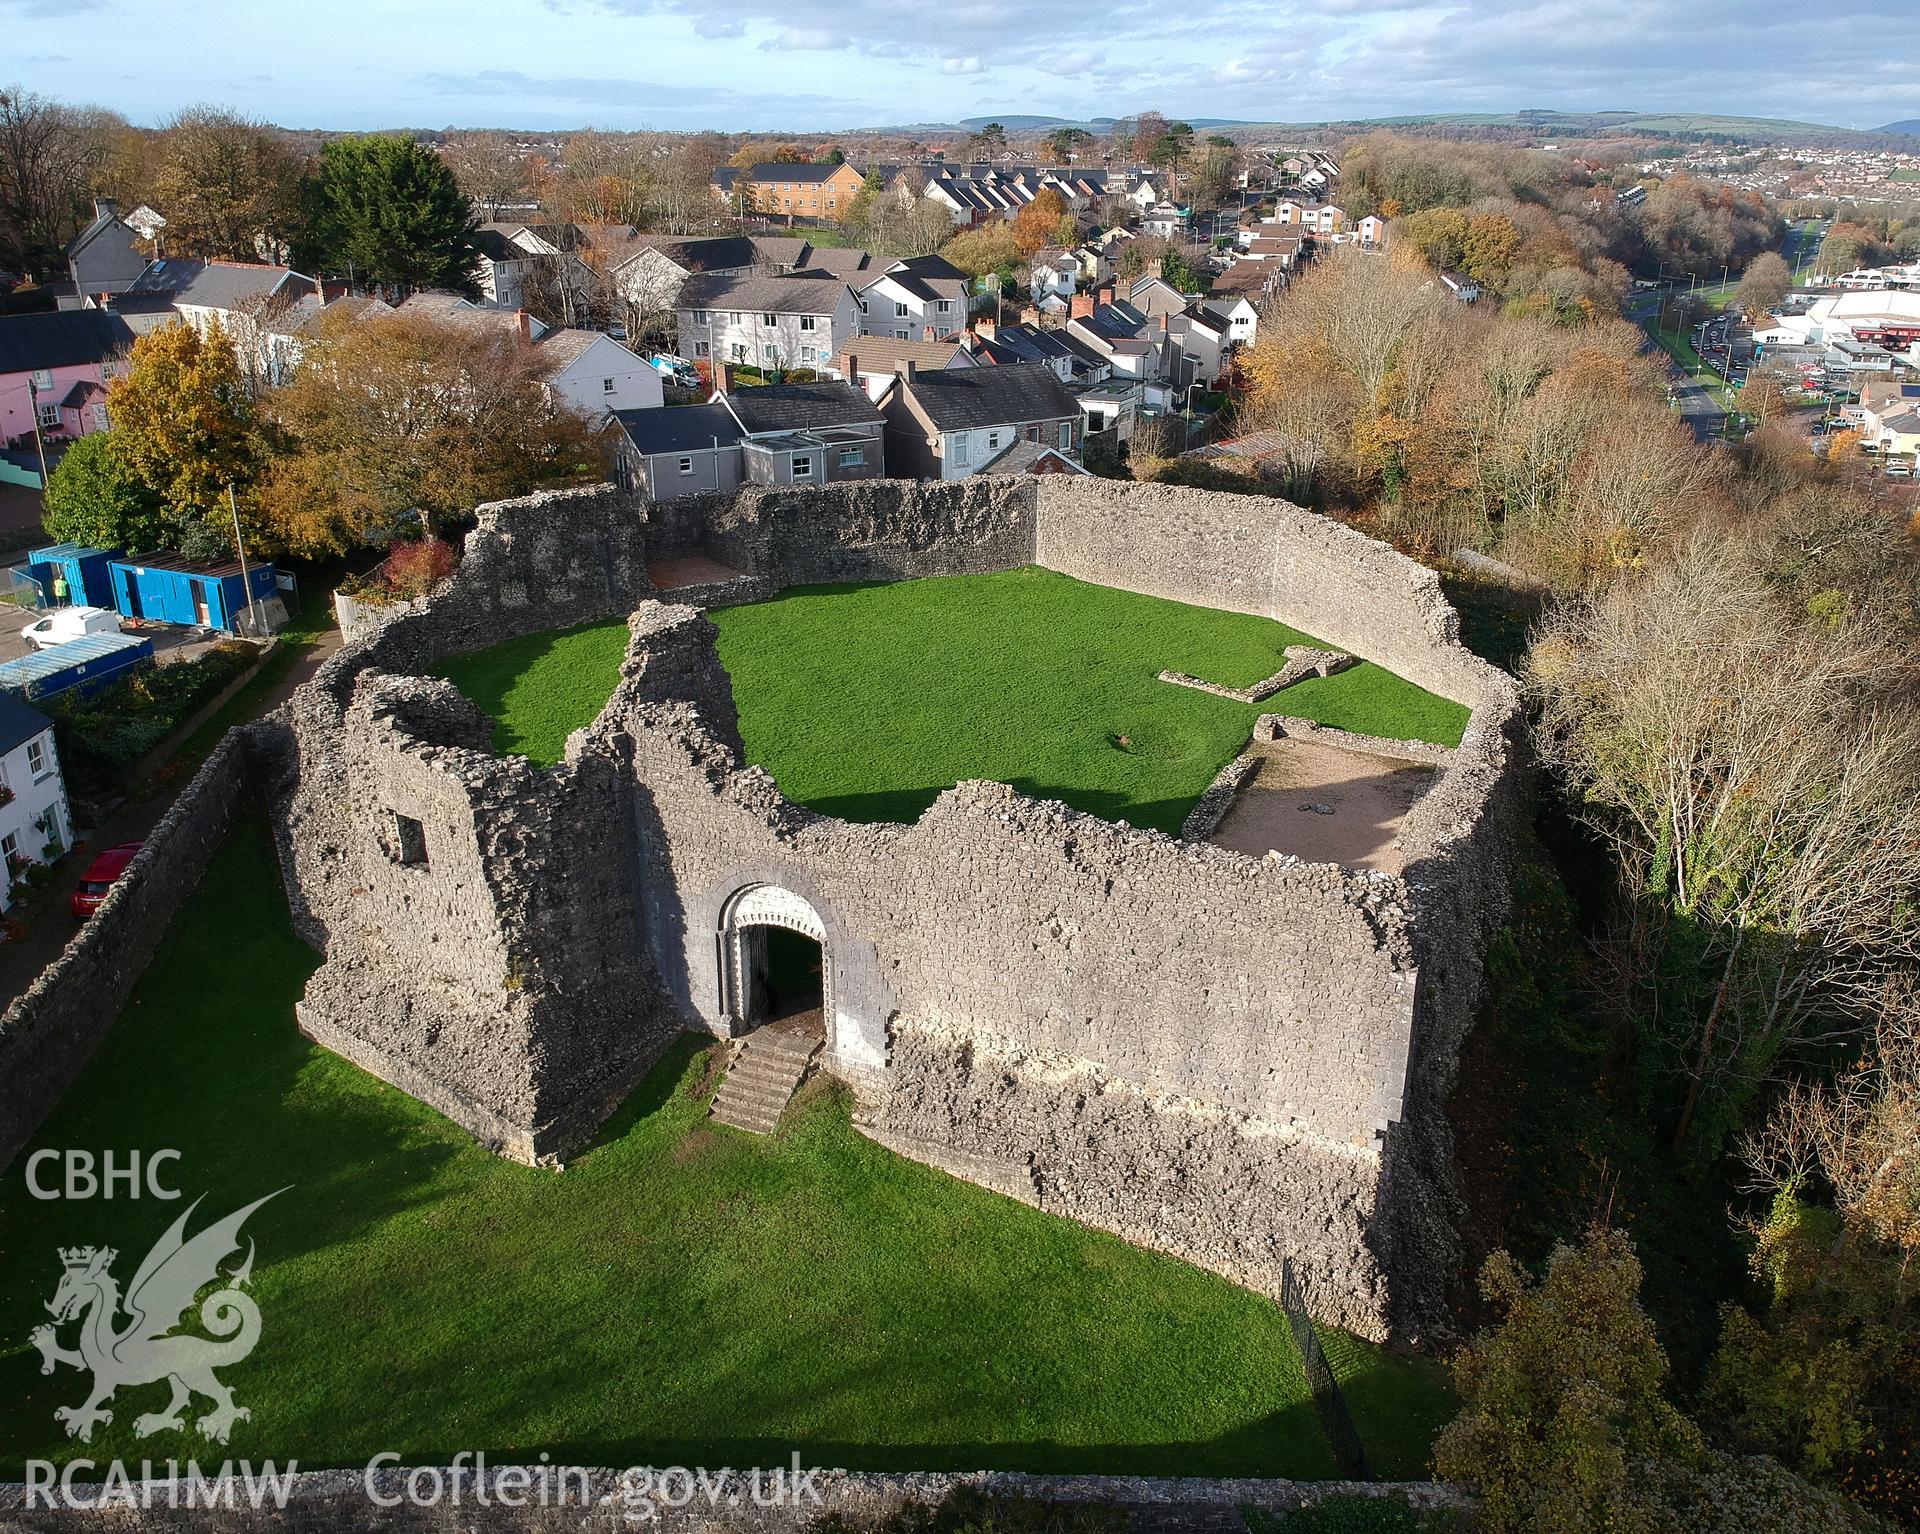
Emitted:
<point x="47" y="155"/>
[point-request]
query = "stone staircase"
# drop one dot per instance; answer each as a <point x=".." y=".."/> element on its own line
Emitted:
<point x="767" y="1070"/>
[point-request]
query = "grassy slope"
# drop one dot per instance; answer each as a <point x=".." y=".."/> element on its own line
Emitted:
<point x="867" y="701"/>
<point x="680" y="1294"/>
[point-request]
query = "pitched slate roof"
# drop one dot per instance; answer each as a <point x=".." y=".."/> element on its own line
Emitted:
<point x="841" y="261"/>
<point x="804" y="406"/>
<point x="227" y="285"/>
<point x="884" y="354"/>
<point x="19" y="723"/>
<point x="781" y="249"/>
<point x="961" y="399"/>
<point x="64" y="338"/>
<point x="102" y="222"/>
<point x="806" y="175"/>
<point x="781" y="293"/>
<point x="679" y="428"/>
<point x="721" y="253"/>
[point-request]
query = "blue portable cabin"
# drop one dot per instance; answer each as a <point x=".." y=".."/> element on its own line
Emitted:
<point x="85" y="664"/>
<point x="85" y="570"/>
<point x="169" y="588"/>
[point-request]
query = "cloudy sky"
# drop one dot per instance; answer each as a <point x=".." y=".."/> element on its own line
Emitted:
<point x="827" y="64"/>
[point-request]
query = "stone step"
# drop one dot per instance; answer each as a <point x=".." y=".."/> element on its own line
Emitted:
<point x="766" y="1071"/>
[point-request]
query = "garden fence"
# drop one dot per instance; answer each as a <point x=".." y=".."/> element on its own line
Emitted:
<point x="1348" y="1451"/>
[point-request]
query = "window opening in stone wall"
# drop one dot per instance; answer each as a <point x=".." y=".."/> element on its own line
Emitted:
<point x="409" y="841"/>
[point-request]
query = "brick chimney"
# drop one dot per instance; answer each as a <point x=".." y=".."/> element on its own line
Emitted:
<point x="853" y="370"/>
<point x="928" y="333"/>
<point x="985" y="328"/>
<point x="910" y="370"/>
<point x="525" y="322"/>
<point x="722" y="378"/>
<point x="1080" y="306"/>
<point x="1163" y="324"/>
<point x="1105" y="292"/>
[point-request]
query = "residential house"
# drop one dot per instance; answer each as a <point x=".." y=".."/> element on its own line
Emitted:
<point x="1253" y="279"/>
<point x="785" y="320"/>
<point x="108" y="255"/>
<point x="1073" y="362"/>
<point x="821" y="193"/>
<point x="812" y="433"/>
<point x="54" y="369"/>
<point x="974" y="195"/>
<point x="1310" y="217"/>
<point x="778" y="434"/>
<point x="1461" y="286"/>
<point x="921" y="298"/>
<point x="689" y="450"/>
<point x="1167" y="221"/>
<point x="1154" y="296"/>
<point x="590" y="372"/>
<point x="285" y="330"/>
<point x="1372" y="230"/>
<point x="1053" y="271"/>
<point x="36" y="824"/>
<point x="872" y="361"/>
<point x="1891" y="414"/>
<point x="1201" y="347"/>
<point x="1030" y="457"/>
<point x="956" y="422"/>
<point x="1241" y="317"/>
<point x="1147" y="192"/>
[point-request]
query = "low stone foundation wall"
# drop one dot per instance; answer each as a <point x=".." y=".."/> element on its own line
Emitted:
<point x="504" y="1500"/>
<point x="50" y="1031"/>
<point x="1303" y="661"/>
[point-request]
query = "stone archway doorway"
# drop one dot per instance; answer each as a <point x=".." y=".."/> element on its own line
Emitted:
<point x="776" y="970"/>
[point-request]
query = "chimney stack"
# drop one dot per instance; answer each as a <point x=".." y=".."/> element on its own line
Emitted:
<point x="106" y="207"/>
<point x="722" y="378"/>
<point x="853" y="370"/>
<point x="912" y="370"/>
<point x="985" y="328"/>
<point x="1080" y="306"/>
<point x="525" y="322"/>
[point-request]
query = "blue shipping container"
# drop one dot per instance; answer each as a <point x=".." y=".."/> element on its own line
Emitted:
<point x="84" y="569"/>
<point x="85" y="665"/>
<point x="165" y="589"/>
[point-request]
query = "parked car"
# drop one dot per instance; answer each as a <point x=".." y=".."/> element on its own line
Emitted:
<point x="100" y="876"/>
<point x="676" y="370"/>
<point x="70" y="623"/>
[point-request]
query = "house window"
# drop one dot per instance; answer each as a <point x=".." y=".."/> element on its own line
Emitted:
<point x="899" y="311"/>
<point x="42" y="379"/>
<point x="606" y="386"/>
<point x="810" y="355"/>
<point x="10" y="846"/>
<point x="702" y="349"/>
<point x="734" y="317"/>
<point x="686" y="465"/>
<point x="852" y="457"/>
<point x="701" y="317"/>
<point x="807" y="321"/>
<point x="960" y="448"/>
<point x="739" y="351"/>
<point x="803" y="467"/>
<point x="768" y="321"/>
<point x="409" y="842"/>
<point x="37" y="758"/>
<point x="993" y="442"/>
<point x="1066" y="435"/>
<point x="946" y="306"/>
<point x="903" y="335"/>
<point x="49" y="415"/>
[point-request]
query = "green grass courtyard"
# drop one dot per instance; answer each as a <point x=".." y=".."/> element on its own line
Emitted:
<point x="867" y="701"/>
<point x="681" y="1294"/>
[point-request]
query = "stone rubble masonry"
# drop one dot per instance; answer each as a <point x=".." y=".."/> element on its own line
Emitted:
<point x="1230" y="1058"/>
<point x="52" y="1028"/>
<point x="608" y="1501"/>
<point x="1303" y="661"/>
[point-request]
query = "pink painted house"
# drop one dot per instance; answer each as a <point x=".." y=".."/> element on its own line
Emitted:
<point x="55" y="368"/>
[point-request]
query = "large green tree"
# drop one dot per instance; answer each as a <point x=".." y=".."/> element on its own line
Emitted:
<point x="388" y="211"/>
<point x="93" y="498"/>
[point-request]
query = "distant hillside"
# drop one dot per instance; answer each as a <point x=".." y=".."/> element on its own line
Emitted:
<point x="1905" y="125"/>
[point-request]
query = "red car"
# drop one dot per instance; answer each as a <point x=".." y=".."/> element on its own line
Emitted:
<point x="99" y="877"/>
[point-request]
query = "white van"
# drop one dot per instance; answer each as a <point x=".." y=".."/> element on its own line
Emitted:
<point x="70" y="623"/>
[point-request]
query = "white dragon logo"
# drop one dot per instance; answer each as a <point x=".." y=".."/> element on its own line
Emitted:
<point x="142" y="1352"/>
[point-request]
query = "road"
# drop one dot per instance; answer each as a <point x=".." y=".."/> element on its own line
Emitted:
<point x="1702" y="411"/>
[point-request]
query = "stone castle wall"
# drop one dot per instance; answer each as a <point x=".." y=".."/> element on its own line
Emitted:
<point x="1207" y="1053"/>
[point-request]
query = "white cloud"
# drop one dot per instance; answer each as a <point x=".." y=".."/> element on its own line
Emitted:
<point x="970" y="65"/>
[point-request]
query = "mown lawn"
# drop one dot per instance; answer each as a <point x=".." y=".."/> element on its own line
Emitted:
<point x="680" y="1295"/>
<point x="867" y="701"/>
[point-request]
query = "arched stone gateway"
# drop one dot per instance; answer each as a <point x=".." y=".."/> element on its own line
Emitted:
<point x="745" y="920"/>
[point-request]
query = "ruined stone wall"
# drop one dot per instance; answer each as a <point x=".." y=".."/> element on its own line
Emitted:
<point x="53" y="1028"/>
<point x="1234" y="1059"/>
